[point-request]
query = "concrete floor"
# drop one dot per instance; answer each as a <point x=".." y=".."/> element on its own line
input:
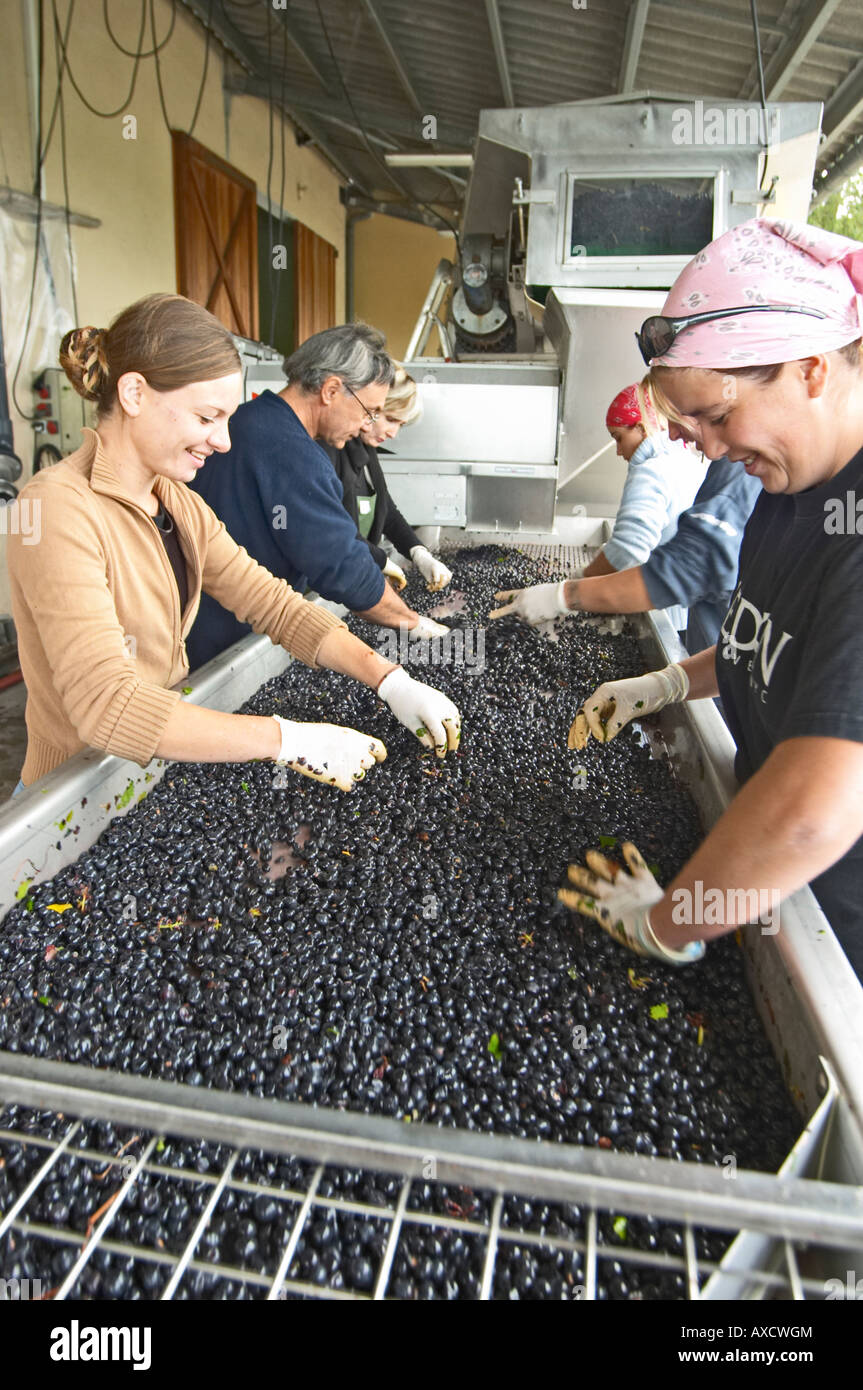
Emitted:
<point x="13" y="737"/>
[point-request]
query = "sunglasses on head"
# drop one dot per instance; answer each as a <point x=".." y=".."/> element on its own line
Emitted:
<point x="658" y="332"/>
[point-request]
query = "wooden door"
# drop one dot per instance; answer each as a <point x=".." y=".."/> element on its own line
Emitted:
<point x="215" y="217"/>
<point x="315" y="282"/>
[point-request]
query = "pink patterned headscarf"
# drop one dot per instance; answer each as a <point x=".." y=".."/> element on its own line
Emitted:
<point x="766" y="262"/>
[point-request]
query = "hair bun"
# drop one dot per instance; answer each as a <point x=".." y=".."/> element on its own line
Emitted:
<point x="83" y="359"/>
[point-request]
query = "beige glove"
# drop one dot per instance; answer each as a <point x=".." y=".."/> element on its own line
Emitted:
<point x="328" y="752"/>
<point x="395" y="573"/>
<point x="613" y="704"/>
<point x="620" y="902"/>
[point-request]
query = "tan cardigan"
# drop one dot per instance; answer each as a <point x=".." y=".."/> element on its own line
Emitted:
<point x="97" y="612"/>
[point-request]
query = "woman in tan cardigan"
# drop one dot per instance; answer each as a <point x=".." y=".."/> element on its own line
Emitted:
<point x="103" y="602"/>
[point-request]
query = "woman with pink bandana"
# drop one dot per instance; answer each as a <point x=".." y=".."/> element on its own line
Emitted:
<point x="759" y="345"/>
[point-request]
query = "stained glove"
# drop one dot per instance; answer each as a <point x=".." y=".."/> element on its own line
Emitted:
<point x="620" y="902"/>
<point x="427" y="627"/>
<point x="539" y="604"/>
<point x="422" y="709"/>
<point x="614" y="703"/>
<point x="328" y="752"/>
<point x="395" y="573"/>
<point x="433" y="571"/>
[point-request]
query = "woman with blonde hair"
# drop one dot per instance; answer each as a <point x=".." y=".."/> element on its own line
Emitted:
<point x="104" y="603"/>
<point x="366" y="496"/>
<point x="662" y="479"/>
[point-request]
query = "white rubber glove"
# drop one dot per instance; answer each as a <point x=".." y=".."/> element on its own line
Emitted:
<point x="613" y="704"/>
<point x="427" y="627"/>
<point x="433" y="571"/>
<point x="539" y="604"/>
<point x="620" y="902"/>
<point x="328" y="752"/>
<point x="425" y="711"/>
<point x="395" y="573"/>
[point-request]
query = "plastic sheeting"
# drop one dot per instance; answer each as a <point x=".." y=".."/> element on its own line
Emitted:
<point x="51" y="317"/>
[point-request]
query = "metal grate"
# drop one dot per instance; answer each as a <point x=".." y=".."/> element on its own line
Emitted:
<point x="561" y="559"/>
<point x="474" y="1193"/>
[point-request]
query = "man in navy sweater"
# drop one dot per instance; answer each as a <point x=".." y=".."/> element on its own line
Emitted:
<point x="278" y="494"/>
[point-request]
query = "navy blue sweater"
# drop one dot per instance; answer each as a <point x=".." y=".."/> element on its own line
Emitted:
<point x="698" y="566"/>
<point x="279" y="497"/>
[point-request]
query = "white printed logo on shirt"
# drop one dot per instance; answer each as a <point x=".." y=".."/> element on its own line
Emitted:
<point x="746" y="631"/>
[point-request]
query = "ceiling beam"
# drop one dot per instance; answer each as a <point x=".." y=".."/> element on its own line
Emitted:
<point x="844" y="107"/>
<point x="636" y="22"/>
<point x="389" y="125"/>
<point x="299" y="45"/>
<point x="499" y="45"/>
<point x="396" y="61"/>
<point x="402" y="210"/>
<point x="242" y="49"/>
<point x="783" y="66"/>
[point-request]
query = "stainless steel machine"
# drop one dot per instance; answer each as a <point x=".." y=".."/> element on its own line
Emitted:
<point x="577" y="220"/>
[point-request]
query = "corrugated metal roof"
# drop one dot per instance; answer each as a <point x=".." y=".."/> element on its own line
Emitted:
<point x="359" y="76"/>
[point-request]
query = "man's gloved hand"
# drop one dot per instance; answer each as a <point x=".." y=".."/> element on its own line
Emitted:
<point x="394" y="572"/>
<point x="433" y="571"/>
<point x="613" y="704"/>
<point x="539" y="604"/>
<point x="328" y="752"/>
<point x="422" y="709"/>
<point x="427" y="627"/>
<point x="620" y="902"/>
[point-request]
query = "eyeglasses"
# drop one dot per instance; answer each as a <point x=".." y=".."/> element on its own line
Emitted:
<point x="374" y="415"/>
<point x="658" y="333"/>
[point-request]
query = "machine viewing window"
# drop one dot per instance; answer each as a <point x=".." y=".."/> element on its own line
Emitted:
<point x="647" y="216"/>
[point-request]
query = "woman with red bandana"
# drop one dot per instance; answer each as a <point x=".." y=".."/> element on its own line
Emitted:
<point x="661" y="482"/>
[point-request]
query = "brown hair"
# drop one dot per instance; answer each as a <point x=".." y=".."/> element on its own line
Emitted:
<point x="168" y="339"/>
<point x="852" y="353"/>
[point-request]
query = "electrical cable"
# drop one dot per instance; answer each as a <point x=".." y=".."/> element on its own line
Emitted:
<point x="65" y="168"/>
<point x="55" y="108"/>
<point x="274" y="299"/>
<point x="406" y="193"/>
<point x="162" y="103"/>
<point x="206" y="64"/>
<point x="753" y="9"/>
<point x="37" y="192"/>
<point x="104" y="115"/>
<point x="139" y="52"/>
<point x="270" y="267"/>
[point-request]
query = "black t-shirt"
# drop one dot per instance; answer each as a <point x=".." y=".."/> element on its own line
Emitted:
<point x="170" y="540"/>
<point x="790" y="654"/>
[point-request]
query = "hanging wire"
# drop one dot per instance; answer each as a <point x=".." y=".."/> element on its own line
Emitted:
<point x="201" y="85"/>
<point x="65" y="168"/>
<point x="274" y="299"/>
<point x="271" y="270"/>
<point x="37" y="192"/>
<point x="94" y="110"/>
<point x="756" y="33"/>
<point x="139" y="52"/>
<point x="406" y="193"/>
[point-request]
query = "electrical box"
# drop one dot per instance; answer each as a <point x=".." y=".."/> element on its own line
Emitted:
<point x="60" y="412"/>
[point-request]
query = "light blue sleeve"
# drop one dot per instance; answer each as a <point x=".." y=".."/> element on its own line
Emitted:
<point x="645" y="507"/>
